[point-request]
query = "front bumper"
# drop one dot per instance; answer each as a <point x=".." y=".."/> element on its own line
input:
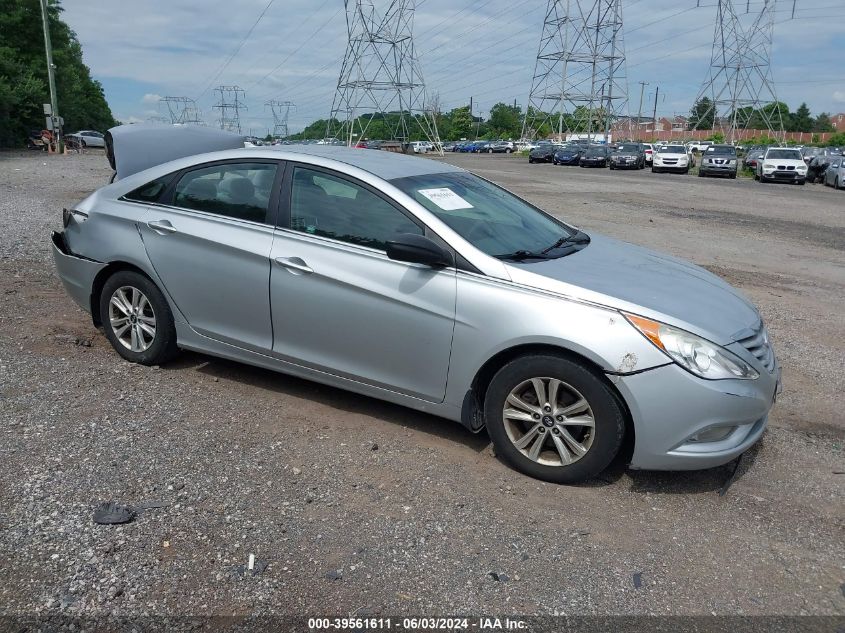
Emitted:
<point x="785" y="176"/>
<point x="593" y="162"/>
<point x="568" y="161"/>
<point x="625" y="164"/>
<point x="671" y="166"/>
<point x="669" y="405"/>
<point x="76" y="273"/>
<point x="722" y="170"/>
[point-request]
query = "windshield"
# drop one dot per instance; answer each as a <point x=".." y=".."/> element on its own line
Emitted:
<point x="722" y="149"/>
<point x="672" y="149"/>
<point x="785" y="154"/>
<point x="596" y="151"/>
<point x="628" y="148"/>
<point x="493" y="220"/>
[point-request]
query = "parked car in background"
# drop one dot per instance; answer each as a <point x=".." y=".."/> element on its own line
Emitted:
<point x="89" y="138"/>
<point x="808" y="153"/>
<point x="424" y="285"/>
<point x="718" y="160"/>
<point x="569" y="154"/>
<point x="648" y="150"/>
<point x="700" y="146"/>
<point x="595" y="156"/>
<point x="752" y="158"/>
<point x="671" y="158"/>
<point x="544" y="153"/>
<point x="820" y="162"/>
<point x="449" y="146"/>
<point x="784" y="164"/>
<point x="500" y="147"/>
<point x="834" y="175"/>
<point x="628" y="156"/>
<point x="419" y="147"/>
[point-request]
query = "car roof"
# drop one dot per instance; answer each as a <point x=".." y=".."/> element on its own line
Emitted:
<point x="385" y="165"/>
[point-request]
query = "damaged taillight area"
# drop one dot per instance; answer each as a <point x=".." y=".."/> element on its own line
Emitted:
<point x="73" y="215"/>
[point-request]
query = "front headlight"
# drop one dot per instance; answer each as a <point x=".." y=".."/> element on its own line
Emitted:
<point x="768" y="166"/>
<point x="695" y="354"/>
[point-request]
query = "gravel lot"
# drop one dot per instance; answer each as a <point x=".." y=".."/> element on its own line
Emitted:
<point x="358" y="506"/>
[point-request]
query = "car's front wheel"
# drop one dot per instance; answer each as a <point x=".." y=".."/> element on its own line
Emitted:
<point x="553" y="418"/>
<point x="137" y="319"/>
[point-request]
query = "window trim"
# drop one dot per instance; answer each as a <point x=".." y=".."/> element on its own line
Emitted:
<point x="167" y="196"/>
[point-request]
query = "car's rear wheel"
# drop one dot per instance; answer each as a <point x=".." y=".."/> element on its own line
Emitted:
<point x="836" y="183"/>
<point x="137" y="319"/>
<point x="553" y="418"/>
<point x="83" y="143"/>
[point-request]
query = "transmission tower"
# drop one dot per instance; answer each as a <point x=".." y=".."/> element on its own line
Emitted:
<point x="230" y="104"/>
<point x="579" y="83"/>
<point x="739" y="84"/>
<point x="182" y="110"/>
<point x="280" y="110"/>
<point x="380" y="78"/>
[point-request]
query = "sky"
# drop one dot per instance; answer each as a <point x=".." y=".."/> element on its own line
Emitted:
<point x="484" y="49"/>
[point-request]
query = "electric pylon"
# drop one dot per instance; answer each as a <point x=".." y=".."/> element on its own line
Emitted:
<point x="380" y="78"/>
<point x="230" y="104"/>
<point x="182" y="110"/>
<point x="739" y="85"/>
<point x="579" y="83"/>
<point x="280" y="110"/>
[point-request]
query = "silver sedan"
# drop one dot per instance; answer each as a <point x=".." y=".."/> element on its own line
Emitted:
<point x="834" y="175"/>
<point x="419" y="283"/>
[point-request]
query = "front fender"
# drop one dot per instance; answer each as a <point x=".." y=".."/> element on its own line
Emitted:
<point x="493" y="316"/>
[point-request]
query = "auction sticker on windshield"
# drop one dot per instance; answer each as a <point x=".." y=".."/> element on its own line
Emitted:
<point x="446" y="199"/>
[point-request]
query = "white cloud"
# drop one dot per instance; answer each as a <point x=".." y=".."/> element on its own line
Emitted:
<point x="150" y="98"/>
<point x="839" y="96"/>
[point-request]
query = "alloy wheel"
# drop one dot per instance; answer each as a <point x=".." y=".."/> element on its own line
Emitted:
<point x="549" y="421"/>
<point x="132" y="318"/>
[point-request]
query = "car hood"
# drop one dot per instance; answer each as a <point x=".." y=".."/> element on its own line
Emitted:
<point x="636" y="279"/>
<point x="670" y="155"/>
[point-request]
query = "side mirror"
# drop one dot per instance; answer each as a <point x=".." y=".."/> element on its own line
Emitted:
<point x="418" y="249"/>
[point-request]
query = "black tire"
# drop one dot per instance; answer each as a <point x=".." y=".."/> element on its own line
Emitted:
<point x="489" y="151"/>
<point x="836" y="183"/>
<point x="700" y="174"/>
<point x="163" y="346"/>
<point x="508" y="151"/>
<point x="801" y="182"/>
<point x="686" y="171"/>
<point x="607" y="435"/>
<point x="530" y="160"/>
<point x="83" y="143"/>
<point x="733" y="176"/>
<point x="655" y="171"/>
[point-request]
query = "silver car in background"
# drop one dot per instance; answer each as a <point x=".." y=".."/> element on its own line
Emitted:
<point x="834" y="175"/>
<point x="419" y="283"/>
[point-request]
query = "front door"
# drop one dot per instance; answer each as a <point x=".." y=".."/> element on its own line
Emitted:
<point x="211" y="248"/>
<point x="341" y="306"/>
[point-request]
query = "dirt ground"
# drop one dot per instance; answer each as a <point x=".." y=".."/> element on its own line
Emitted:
<point x="357" y="506"/>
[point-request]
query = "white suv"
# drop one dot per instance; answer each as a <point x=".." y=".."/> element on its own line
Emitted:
<point x="782" y="163"/>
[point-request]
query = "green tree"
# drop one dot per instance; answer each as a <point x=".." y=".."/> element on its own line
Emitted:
<point x="23" y="74"/>
<point x="703" y="115"/>
<point x="463" y="124"/>
<point x="505" y="121"/>
<point x="823" y="124"/>
<point x="802" y="121"/>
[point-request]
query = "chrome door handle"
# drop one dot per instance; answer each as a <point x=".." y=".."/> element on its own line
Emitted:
<point x="162" y="226"/>
<point x="294" y="263"/>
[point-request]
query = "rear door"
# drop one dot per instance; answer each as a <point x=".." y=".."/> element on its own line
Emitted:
<point x="210" y="245"/>
<point x="340" y="305"/>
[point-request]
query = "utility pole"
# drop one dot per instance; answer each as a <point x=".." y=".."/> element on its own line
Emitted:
<point x="580" y="63"/>
<point x="51" y="76"/>
<point x="654" y="115"/>
<point x="739" y="83"/>
<point x="381" y="75"/>
<point x="643" y="84"/>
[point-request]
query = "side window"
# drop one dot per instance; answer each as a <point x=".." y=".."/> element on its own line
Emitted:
<point x="325" y="205"/>
<point x="235" y="190"/>
<point x="150" y="192"/>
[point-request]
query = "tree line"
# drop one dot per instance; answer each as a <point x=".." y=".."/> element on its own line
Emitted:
<point x="24" y="86"/>
<point x="702" y="116"/>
